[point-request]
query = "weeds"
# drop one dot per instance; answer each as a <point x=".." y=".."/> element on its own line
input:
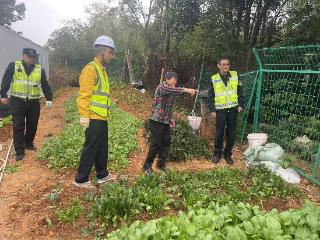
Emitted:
<point x="71" y="212"/>
<point x="12" y="168"/>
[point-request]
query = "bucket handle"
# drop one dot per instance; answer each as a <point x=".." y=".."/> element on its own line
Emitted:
<point x="193" y="114"/>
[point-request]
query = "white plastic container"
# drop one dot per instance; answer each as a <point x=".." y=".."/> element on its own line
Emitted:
<point x="194" y="122"/>
<point x="257" y="139"/>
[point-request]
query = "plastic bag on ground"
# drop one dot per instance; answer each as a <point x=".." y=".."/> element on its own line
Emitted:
<point x="289" y="175"/>
<point x="271" y="157"/>
<point x="251" y="155"/>
<point x="272" y="166"/>
<point x="271" y="152"/>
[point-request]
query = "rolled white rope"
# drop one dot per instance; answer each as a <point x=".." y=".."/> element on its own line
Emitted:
<point x="5" y="162"/>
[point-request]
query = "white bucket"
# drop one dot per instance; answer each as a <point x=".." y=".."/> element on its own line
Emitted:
<point x="194" y="122"/>
<point x="257" y="139"/>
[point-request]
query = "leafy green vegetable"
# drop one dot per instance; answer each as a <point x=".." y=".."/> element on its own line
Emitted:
<point x="223" y="222"/>
<point x="119" y="201"/>
<point x="175" y="190"/>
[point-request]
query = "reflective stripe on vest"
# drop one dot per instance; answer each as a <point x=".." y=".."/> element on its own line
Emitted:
<point x="225" y="96"/>
<point x="24" y="86"/>
<point x="100" y="99"/>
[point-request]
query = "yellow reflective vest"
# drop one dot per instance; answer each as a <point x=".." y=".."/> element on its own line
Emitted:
<point x="225" y="96"/>
<point x="24" y="86"/>
<point x="100" y="99"/>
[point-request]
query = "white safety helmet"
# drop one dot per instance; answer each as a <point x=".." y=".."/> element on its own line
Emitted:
<point x="104" y="41"/>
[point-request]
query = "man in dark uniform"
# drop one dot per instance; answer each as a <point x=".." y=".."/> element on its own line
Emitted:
<point x="225" y="100"/>
<point x="25" y="79"/>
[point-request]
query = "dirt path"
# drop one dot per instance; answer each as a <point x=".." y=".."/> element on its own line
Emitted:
<point x="23" y="195"/>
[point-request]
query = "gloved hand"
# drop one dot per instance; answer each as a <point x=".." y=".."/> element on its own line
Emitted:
<point x="48" y="104"/>
<point x="84" y="122"/>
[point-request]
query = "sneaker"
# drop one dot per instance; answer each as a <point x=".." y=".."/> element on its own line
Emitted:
<point x="216" y="158"/>
<point x="106" y="179"/>
<point x="30" y="147"/>
<point x="87" y="185"/>
<point x="19" y="157"/>
<point x="148" y="171"/>
<point x="229" y="160"/>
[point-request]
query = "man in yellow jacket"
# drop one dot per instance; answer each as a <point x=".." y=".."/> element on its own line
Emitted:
<point x="93" y="105"/>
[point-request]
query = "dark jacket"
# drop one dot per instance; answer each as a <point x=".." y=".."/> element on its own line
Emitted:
<point x="8" y="75"/>
<point x="211" y="95"/>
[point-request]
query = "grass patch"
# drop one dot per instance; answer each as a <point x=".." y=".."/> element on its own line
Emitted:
<point x="13" y="168"/>
<point x="71" y="212"/>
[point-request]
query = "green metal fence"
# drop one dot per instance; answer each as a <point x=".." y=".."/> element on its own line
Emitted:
<point x="283" y="100"/>
<point x="286" y="103"/>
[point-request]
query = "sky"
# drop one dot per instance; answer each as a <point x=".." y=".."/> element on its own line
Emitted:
<point x="45" y="16"/>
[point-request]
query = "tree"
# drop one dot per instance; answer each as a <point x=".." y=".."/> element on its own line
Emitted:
<point x="180" y="30"/>
<point x="68" y="46"/>
<point x="302" y="26"/>
<point x="11" y="12"/>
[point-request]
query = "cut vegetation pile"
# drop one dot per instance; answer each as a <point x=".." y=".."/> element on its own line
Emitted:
<point x="185" y="144"/>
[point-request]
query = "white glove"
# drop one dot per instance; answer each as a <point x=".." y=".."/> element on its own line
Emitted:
<point x="48" y="104"/>
<point x="84" y="122"/>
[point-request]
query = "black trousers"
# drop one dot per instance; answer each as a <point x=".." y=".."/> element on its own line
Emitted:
<point x="225" y="119"/>
<point x="25" y="117"/>
<point x="95" y="151"/>
<point x="160" y="143"/>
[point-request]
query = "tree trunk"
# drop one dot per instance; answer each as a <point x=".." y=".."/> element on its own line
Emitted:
<point x="123" y="70"/>
<point x="264" y="29"/>
<point x="167" y="33"/>
<point x="246" y="22"/>
<point x="239" y="20"/>
<point x="260" y="15"/>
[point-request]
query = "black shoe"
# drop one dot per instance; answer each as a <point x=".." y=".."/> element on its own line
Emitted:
<point x="148" y="171"/>
<point x="30" y="147"/>
<point x="229" y="160"/>
<point x="19" y="157"/>
<point x="216" y="158"/>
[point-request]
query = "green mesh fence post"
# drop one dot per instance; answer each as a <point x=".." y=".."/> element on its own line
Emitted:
<point x="247" y="109"/>
<point x="199" y="85"/>
<point x="202" y="71"/>
<point x="287" y="104"/>
<point x="258" y="94"/>
<point x="314" y="177"/>
<point x="316" y="164"/>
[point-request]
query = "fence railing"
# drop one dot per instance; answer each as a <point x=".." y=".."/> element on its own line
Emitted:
<point x="285" y="102"/>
